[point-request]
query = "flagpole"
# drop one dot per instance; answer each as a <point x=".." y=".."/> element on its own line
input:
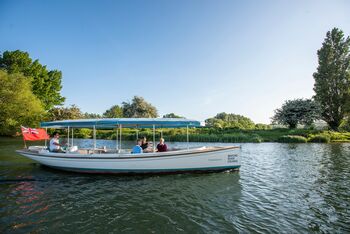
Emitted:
<point x="25" y="145"/>
<point x="24" y="141"/>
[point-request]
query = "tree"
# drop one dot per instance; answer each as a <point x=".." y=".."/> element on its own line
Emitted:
<point x="224" y="120"/>
<point x="46" y="85"/>
<point x="139" y="108"/>
<point x="297" y="111"/>
<point x="18" y="105"/>
<point x="114" y="112"/>
<point x="332" y="78"/>
<point x="62" y="113"/>
<point x="87" y="115"/>
<point x="172" y="115"/>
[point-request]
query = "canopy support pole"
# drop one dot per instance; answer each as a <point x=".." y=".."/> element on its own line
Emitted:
<point x="120" y="138"/>
<point x="72" y="137"/>
<point x="116" y="143"/>
<point x="94" y="138"/>
<point x="137" y="134"/>
<point x="46" y="138"/>
<point x="68" y="137"/>
<point x="154" y="138"/>
<point x="188" y="145"/>
<point x="161" y="133"/>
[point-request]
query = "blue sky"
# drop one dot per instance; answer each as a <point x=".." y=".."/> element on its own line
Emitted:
<point x="195" y="58"/>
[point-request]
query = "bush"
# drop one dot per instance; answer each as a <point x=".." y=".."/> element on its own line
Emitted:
<point x="292" y="139"/>
<point x="320" y="138"/>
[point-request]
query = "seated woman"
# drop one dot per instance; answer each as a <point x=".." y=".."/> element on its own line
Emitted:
<point x="146" y="146"/>
<point x="162" y="147"/>
<point x="137" y="148"/>
<point x="144" y="143"/>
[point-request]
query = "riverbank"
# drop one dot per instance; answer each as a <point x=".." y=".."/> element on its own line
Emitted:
<point x="282" y="135"/>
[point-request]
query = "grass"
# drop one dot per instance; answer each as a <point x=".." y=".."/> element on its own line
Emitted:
<point x="292" y="139"/>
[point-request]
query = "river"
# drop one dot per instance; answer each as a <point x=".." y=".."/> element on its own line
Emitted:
<point x="280" y="188"/>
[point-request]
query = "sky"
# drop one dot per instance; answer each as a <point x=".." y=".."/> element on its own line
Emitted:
<point x="195" y="58"/>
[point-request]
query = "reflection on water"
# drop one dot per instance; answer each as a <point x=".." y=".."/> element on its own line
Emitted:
<point x="288" y="188"/>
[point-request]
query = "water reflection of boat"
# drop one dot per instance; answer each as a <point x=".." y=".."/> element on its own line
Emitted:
<point x="118" y="160"/>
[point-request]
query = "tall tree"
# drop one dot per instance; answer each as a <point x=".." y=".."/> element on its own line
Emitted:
<point x="46" y="85"/>
<point x="139" y="108"/>
<point x="18" y="105"/>
<point x="332" y="78"/>
<point x="114" y="112"/>
<point x="297" y="111"/>
<point x="62" y="113"/>
<point x="172" y="115"/>
<point x="87" y="115"/>
<point x="224" y="120"/>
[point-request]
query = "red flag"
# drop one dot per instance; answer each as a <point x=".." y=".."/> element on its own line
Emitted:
<point x="34" y="134"/>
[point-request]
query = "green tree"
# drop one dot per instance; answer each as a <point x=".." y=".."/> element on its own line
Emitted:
<point x="18" y="105"/>
<point x="297" y="111"/>
<point x="114" y="112"/>
<point x="62" y="113"/>
<point x="91" y="116"/>
<point x="332" y="78"/>
<point x="172" y="115"/>
<point x="46" y="85"/>
<point x="139" y="108"/>
<point x="224" y="120"/>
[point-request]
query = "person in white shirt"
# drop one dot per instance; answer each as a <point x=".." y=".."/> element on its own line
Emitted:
<point x="55" y="145"/>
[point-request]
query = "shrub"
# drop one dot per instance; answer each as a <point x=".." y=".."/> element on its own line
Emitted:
<point x="292" y="139"/>
<point x="320" y="138"/>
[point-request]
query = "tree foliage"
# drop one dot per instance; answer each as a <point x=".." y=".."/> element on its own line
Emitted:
<point x="114" y="112"/>
<point x="297" y="111"/>
<point x="91" y="116"/>
<point x="18" y="105"/>
<point x="224" y="120"/>
<point x="46" y="85"/>
<point x="62" y="113"/>
<point x="172" y="115"/>
<point x="332" y="78"/>
<point x="139" y="108"/>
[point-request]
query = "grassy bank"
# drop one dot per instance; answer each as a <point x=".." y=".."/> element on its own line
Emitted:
<point x="228" y="135"/>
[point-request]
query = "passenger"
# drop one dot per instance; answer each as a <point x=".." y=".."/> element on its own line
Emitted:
<point x="137" y="148"/>
<point x="162" y="147"/>
<point x="55" y="145"/>
<point x="144" y="144"/>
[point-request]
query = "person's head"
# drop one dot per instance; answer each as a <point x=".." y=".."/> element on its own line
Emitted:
<point x="139" y="142"/>
<point x="161" y="140"/>
<point x="144" y="139"/>
<point x="56" y="135"/>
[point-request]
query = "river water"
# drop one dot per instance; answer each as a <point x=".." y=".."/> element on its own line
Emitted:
<point x="281" y="188"/>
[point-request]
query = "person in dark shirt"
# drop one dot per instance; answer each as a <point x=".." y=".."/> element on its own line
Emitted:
<point x="162" y="147"/>
<point x="144" y="144"/>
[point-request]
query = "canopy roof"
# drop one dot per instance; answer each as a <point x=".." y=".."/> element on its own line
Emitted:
<point x="124" y="122"/>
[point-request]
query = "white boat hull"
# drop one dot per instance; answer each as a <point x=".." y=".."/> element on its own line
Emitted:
<point x="193" y="160"/>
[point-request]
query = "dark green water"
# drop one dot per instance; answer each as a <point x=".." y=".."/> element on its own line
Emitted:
<point x="281" y="188"/>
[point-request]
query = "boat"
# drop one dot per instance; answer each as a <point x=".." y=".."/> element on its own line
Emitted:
<point x="121" y="161"/>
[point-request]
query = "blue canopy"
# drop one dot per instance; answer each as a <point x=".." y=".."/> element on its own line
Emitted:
<point x="124" y="122"/>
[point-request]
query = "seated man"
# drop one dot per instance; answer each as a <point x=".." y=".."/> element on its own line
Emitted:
<point x="55" y="145"/>
<point x="137" y="148"/>
<point x="162" y="147"/>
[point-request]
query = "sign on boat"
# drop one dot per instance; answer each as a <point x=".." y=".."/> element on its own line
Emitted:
<point x="118" y="160"/>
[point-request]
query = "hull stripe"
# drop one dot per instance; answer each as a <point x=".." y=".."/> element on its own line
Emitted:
<point x="93" y="170"/>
